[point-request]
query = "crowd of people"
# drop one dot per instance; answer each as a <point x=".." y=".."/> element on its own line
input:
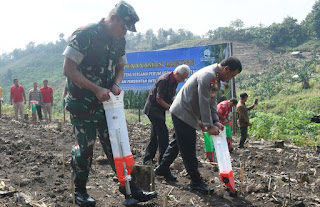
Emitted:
<point x="43" y="98"/>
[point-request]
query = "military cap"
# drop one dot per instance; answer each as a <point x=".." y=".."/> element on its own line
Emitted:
<point x="128" y="14"/>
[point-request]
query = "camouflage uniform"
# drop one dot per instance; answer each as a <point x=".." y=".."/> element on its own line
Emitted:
<point x="97" y="56"/>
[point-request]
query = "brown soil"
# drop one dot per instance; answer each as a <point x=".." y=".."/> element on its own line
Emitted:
<point x="273" y="176"/>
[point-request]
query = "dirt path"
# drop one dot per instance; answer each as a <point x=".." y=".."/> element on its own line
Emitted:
<point x="268" y="171"/>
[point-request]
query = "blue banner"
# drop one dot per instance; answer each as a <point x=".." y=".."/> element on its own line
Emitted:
<point x="144" y="68"/>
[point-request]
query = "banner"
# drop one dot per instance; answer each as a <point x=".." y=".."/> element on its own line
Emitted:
<point x="144" y="68"/>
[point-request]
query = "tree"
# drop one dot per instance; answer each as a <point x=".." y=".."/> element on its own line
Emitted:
<point x="316" y="18"/>
<point x="237" y="24"/>
<point x="61" y="37"/>
<point x="17" y="53"/>
<point x="151" y="38"/>
<point x="30" y="46"/>
<point x="311" y="24"/>
<point x="9" y="78"/>
<point x="305" y="70"/>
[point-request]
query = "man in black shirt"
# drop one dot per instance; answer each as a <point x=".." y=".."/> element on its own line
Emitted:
<point x="159" y="100"/>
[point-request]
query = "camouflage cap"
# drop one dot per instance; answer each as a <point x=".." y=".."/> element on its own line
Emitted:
<point x="128" y="14"/>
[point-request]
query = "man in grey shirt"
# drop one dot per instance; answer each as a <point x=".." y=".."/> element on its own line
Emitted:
<point x="36" y="95"/>
<point x="195" y="108"/>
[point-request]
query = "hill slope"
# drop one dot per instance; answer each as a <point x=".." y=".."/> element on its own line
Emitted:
<point x="48" y="65"/>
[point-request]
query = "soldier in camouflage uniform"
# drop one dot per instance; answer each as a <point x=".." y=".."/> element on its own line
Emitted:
<point x="94" y="66"/>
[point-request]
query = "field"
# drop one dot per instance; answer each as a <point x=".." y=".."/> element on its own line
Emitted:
<point x="36" y="162"/>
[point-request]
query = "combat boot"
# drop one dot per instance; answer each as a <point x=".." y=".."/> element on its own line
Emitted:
<point x="82" y="197"/>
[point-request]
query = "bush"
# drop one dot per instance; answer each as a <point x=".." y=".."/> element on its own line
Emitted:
<point x="293" y="126"/>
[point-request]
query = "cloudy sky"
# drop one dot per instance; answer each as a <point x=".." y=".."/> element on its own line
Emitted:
<point x="41" y="21"/>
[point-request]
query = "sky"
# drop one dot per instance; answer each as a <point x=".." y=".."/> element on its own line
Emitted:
<point x="41" y="21"/>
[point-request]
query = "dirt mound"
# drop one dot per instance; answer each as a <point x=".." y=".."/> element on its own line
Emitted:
<point x="32" y="157"/>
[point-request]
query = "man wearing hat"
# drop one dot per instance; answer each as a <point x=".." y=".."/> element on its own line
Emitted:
<point x="243" y="118"/>
<point x="94" y="66"/>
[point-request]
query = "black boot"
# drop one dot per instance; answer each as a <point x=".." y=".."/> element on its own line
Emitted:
<point x="143" y="196"/>
<point x="166" y="173"/>
<point x="81" y="196"/>
<point x="139" y="194"/>
<point x="200" y="187"/>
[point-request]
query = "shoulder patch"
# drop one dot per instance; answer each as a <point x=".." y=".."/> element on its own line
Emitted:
<point x="212" y="83"/>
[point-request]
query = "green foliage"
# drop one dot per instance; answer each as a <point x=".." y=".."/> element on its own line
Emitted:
<point x="300" y="164"/>
<point x="135" y="99"/>
<point x="311" y="45"/>
<point x="276" y="36"/>
<point x="132" y="116"/>
<point x="315" y="18"/>
<point x="163" y="39"/>
<point x="280" y="77"/>
<point x="294" y="126"/>
<point x="237" y="24"/>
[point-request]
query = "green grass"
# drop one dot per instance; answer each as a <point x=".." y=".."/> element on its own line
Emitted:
<point x="309" y="46"/>
<point x="186" y="43"/>
<point x="293" y="126"/>
<point x="132" y="116"/>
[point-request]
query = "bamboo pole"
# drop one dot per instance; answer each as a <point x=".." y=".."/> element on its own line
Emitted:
<point x="241" y="179"/>
<point x="64" y="115"/>
<point x="72" y="189"/>
<point x="289" y="189"/>
<point x="19" y="180"/>
<point x="152" y="184"/>
<point x="63" y="161"/>
<point x="35" y="148"/>
<point x="166" y="198"/>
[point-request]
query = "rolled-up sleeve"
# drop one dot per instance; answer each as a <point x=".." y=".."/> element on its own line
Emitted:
<point x="122" y="61"/>
<point x="73" y="54"/>
<point x="78" y="46"/>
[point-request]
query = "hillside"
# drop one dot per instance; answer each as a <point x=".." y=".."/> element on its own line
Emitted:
<point x="37" y="67"/>
<point x="34" y="68"/>
<point x="48" y="65"/>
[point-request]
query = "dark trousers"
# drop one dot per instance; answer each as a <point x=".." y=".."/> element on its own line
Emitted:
<point x="185" y="142"/>
<point x="39" y="112"/>
<point x="170" y="154"/>
<point x="244" y="135"/>
<point x="159" y="135"/>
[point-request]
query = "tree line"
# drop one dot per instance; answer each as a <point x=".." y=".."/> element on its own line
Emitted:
<point x="287" y="33"/>
<point x="44" y="61"/>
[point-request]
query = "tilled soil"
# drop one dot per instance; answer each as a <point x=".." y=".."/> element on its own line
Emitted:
<point x="32" y="162"/>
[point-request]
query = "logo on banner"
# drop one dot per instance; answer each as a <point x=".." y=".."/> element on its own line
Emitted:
<point x="207" y="56"/>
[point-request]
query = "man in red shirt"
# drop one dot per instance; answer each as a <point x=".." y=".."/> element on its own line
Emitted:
<point x="17" y="95"/>
<point x="224" y="108"/>
<point x="47" y="94"/>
